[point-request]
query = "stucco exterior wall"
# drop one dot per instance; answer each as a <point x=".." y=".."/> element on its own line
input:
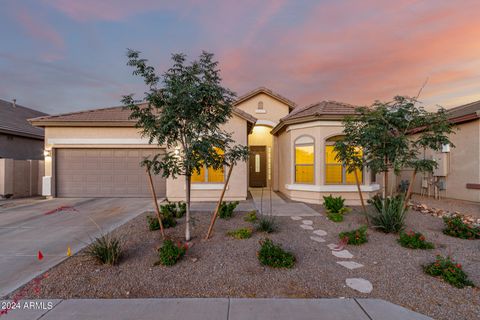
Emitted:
<point x="21" y="178"/>
<point x="274" y="110"/>
<point x="320" y="131"/>
<point x="20" y="148"/>
<point x="237" y="187"/>
<point x="129" y="137"/>
<point x="463" y="163"/>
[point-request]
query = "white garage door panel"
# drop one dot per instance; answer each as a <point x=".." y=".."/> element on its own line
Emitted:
<point x="104" y="173"/>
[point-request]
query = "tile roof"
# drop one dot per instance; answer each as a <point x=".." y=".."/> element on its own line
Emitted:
<point x="266" y="91"/>
<point x="321" y="108"/>
<point x="112" y="114"/>
<point x="14" y="120"/>
<point x="470" y="109"/>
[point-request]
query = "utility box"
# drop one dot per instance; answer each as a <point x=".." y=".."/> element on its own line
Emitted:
<point x="442" y="165"/>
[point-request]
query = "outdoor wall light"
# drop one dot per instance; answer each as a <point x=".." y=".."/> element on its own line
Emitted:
<point x="47" y="153"/>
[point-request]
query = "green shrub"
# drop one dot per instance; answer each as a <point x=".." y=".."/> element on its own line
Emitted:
<point x="390" y="213"/>
<point x="168" y="221"/>
<point x="182" y="209"/>
<point x="226" y="209"/>
<point x="334" y="204"/>
<point x="455" y="227"/>
<point x="169" y="253"/>
<point x="449" y="271"/>
<point x="242" y="233"/>
<point x="355" y="237"/>
<point x="335" y="216"/>
<point x="267" y="224"/>
<point x="273" y="255"/>
<point x="105" y="249"/>
<point x="251" y="216"/>
<point x="414" y="240"/>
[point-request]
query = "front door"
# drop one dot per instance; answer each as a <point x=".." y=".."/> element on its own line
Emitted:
<point x="258" y="166"/>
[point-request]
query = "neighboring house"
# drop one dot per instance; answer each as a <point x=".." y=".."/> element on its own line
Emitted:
<point x="96" y="153"/>
<point x="458" y="173"/>
<point x="19" y="140"/>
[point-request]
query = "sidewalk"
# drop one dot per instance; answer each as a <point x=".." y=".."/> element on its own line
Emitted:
<point x="213" y="309"/>
<point x="279" y="207"/>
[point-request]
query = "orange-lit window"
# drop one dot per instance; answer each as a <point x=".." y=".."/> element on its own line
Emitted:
<point x="335" y="173"/>
<point x="304" y="163"/>
<point x="209" y="174"/>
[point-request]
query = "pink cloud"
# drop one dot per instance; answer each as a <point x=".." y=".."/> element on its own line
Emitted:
<point x="41" y="31"/>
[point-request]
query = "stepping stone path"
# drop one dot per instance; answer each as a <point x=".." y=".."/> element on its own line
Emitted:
<point x="359" y="284"/>
<point x="306" y="227"/>
<point x="350" y="264"/>
<point x="344" y="254"/>
<point x="319" y="232"/>
<point x="318" y="239"/>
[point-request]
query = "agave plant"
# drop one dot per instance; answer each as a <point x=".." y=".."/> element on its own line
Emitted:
<point x="390" y="213"/>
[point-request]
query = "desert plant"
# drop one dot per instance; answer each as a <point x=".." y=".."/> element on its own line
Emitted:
<point x="273" y="255"/>
<point x="267" y="224"/>
<point x="355" y="237"/>
<point x="242" y="233"/>
<point x="226" y="209"/>
<point x="169" y="253"/>
<point x="105" y="249"/>
<point x="334" y="204"/>
<point x="335" y="216"/>
<point x="449" y="271"/>
<point x="414" y="240"/>
<point x="455" y="227"/>
<point x="251" y="216"/>
<point x="390" y="213"/>
<point x="181" y="210"/>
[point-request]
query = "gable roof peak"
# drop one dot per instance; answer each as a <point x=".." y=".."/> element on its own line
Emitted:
<point x="291" y="105"/>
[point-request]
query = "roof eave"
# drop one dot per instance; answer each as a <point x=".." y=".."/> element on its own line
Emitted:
<point x="283" y="123"/>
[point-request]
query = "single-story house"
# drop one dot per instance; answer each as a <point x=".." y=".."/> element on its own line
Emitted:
<point x="458" y="172"/>
<point x="96" y="153"/>
<point x="18" y="138"/>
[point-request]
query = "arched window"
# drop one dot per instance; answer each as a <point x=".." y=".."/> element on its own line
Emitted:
<point x="260" y="105"/>
<point x="335" y="172"/>
<point x="304" y="160"/>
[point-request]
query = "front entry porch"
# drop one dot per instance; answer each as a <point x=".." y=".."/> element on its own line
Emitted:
<point x="268" y="201"/>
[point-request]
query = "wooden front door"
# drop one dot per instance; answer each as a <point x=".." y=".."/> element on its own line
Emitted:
<point x="258" y="166"/>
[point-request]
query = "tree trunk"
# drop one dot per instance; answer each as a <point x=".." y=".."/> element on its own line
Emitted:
<point x="155" y="202"/>
<point x="410" y="188"/>
<point x="385" y="184"/>
<point x="187" y="201"/>
<point x="215" y="214"/>
<point x="361" y="196"/>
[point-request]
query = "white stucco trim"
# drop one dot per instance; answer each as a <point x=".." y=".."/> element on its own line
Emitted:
<point x="331" y="188"/>
<point x="100" y="141"/>
<point x="260" y="111"/>
<point x="208" y="186"/>
<point x="315" y="124"/>
<point x="261" y="122"/>
<point x="46" y="185"/>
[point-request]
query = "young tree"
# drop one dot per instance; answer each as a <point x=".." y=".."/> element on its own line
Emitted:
<point x="147" y="163"/>
<point x="185" y="108"/>
<point x="392" y="135"/>
<point x="232" y="155"/>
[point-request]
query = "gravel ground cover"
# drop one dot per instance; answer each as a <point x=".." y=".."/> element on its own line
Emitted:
<point x="226" y="267"/>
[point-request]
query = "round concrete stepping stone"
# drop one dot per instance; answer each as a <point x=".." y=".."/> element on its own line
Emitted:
<point x="306" y="227"/>
<point x="332" y="246"/>
<point x="307" y="222"/>
<point x="296" y="218"/>
<point x="359" y="284"/>
<point x="350" y="264"/>
<point x="344" y="254"/>
<point x="320" y="233"/>
<point x="318" y="239"/>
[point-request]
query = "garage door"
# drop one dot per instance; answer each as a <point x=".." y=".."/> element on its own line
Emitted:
<point x="104" y="173"/>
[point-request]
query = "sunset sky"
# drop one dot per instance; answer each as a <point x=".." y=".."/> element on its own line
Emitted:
<point x="65" y="55"/>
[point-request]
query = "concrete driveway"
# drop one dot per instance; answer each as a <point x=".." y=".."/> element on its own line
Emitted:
<point x="25" y="230"/>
